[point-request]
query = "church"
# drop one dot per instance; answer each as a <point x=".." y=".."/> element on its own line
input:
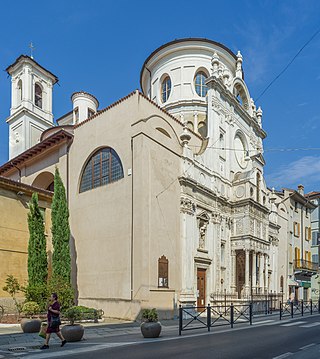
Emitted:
<point x="166" y="191"/>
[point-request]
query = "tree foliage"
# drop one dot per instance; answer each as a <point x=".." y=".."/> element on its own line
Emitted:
<point x="13" y="287"/>
<point x="37" y="254"/>
<point x="61" y="261"/>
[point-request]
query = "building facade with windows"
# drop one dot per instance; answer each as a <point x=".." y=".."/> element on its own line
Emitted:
<point x="314" y="197"/>
<point x="168" y="203"/>
<point x="296" y="266"/>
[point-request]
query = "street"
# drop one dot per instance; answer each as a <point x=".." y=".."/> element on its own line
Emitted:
<point x="298" y="338"/>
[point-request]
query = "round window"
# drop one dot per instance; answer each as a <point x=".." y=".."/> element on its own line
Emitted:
<point x="240" y="151"/>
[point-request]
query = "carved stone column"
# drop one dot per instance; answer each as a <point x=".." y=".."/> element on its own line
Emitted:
<point x="247" y="271"/>
<point x="261" y="265"/>
<point x="233" y="270"/>
<point x="266" y="273"/>
<point x="261" y="274"/>
<point x="254" y="272"/>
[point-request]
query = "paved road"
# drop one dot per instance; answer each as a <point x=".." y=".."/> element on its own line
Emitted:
<point x="298" y="339"/>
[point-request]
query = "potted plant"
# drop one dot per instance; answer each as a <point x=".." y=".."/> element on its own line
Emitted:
<point x="73" y="332"/>
<point x="150" y="326"/>
<point x="30" y="324"/>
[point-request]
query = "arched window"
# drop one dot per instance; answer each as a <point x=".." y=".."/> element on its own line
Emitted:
<point x="165" y="89"/>
<point x="202" y="129"/>
<point x="190" y="125"/>
<point x="102" y="168"/>
<point x="38" y="95"/>
<point x="19" y="91"/>
<point x="163" y="272"/>
<point x="51" y="187"/>
<point x="199" y="84"/>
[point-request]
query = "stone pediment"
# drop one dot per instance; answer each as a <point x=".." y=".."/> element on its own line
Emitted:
<point x="259" y="158"/>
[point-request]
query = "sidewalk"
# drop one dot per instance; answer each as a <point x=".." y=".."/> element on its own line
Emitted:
<point x="12" y="339"/>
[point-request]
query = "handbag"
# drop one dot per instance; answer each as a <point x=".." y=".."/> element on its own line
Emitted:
<point x="54" y="322"/>
<point x="43" y="330"/>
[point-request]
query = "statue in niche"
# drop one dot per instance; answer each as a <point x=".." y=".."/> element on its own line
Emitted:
<point x="202" y="234"/>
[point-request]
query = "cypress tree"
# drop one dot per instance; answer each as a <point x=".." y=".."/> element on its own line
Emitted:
<point x="37" y="254"/>
<point x="61" y="261"/>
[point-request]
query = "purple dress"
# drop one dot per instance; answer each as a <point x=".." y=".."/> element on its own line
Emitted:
<point x="54" y="306"/>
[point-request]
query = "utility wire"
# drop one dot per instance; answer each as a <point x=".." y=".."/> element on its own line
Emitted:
<point x="264" y="150"/>
<point x="295" y="56"/>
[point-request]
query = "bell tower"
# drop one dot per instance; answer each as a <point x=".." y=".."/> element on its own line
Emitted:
<point x="31" y="103"/>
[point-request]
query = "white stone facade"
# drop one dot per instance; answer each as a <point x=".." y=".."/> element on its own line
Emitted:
<point x="31" y="104"/>
<point x="224" y="205"/>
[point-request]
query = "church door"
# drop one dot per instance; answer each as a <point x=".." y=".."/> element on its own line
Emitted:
<point x="201" y="287"/>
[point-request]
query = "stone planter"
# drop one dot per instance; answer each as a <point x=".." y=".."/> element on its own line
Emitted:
<point x="72" y="333"/>
<point x="150" y="329"/>
<point x="30" y="325"/>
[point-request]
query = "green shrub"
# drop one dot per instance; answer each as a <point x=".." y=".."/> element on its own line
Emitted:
<point x="30" y="309"/>
<point x="80" y="312"/>
<point x="37" y="293"/>
<point x="149" y="315"/>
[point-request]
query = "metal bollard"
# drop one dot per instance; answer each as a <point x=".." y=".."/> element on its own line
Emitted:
<point x="208" y="317"/>
<point x="231" y="315"/>
<point x="180" y="319"/>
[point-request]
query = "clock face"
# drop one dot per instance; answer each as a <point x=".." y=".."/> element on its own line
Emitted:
<point x="240" y="151"/>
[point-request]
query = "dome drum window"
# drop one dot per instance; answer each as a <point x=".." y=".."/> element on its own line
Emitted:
<point x="102" y="168"/>
<point x="165" y="89"/>
<point x="200" y="85"/>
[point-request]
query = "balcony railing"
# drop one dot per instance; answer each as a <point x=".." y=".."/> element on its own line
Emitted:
<point x="301" y="264"/>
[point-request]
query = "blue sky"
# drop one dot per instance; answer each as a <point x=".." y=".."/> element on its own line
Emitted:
<point x="99" y="47"/>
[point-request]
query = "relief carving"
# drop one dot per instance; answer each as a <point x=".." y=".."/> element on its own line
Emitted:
<point x="187" y="206"/>
<point x="239" y="226"/>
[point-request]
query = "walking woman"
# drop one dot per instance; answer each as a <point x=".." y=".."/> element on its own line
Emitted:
<point x="53" y="317"/>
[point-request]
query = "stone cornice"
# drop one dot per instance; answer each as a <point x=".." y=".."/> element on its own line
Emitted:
<point x="252" y="203"/>
<point x="197" y="187"/>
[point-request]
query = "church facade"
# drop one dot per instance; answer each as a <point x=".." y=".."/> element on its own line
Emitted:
<point x="168" y="203"/>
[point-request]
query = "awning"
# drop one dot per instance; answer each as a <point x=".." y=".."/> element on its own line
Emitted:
<point x="306" y="284"/>
<point x="292" y="282"/>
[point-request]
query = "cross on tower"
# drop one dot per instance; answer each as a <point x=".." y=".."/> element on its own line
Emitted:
<point x="31" y="49"/>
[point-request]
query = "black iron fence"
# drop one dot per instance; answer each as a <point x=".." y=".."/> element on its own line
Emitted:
<point x="191" y="318"/>
<point x="291" y="309"/>
<point x="262" y="303"/>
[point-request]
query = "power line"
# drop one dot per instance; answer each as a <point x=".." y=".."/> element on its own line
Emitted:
<point x="264" y="150"/>
<point x="295" y="56"/>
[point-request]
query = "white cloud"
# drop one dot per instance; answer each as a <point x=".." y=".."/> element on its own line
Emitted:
<point x="305" y="170"/>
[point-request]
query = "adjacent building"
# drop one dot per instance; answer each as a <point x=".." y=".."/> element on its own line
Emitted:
<point x="296" y="266"/>
<point x="314" y="197"/>
<point x="14" y="234"/>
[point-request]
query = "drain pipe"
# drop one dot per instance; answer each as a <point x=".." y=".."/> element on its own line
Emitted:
<point x="132" y="228"/>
